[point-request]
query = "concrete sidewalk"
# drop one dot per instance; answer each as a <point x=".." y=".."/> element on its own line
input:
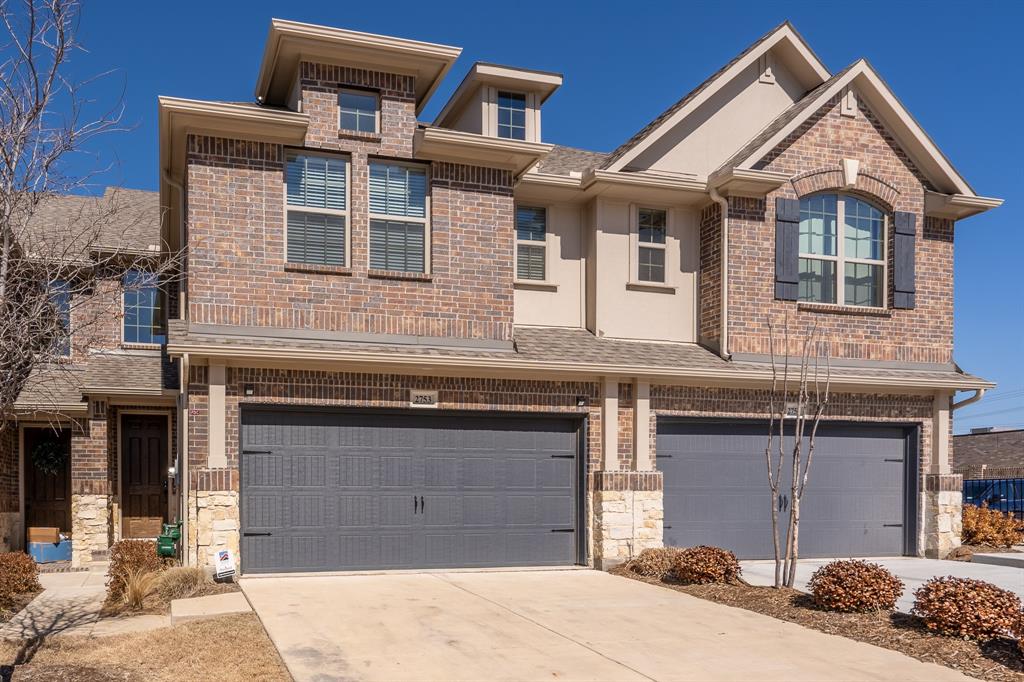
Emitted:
<point x="913" y="572"/>
<point x="545" y="625"/>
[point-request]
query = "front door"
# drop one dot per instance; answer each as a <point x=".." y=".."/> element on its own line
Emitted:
<point x="143" y="474"/>
<point x="47" y="487"/>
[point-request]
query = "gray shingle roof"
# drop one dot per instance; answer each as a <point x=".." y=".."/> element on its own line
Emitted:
<point x="565" y="160"/>
<point x="122" y="220"/>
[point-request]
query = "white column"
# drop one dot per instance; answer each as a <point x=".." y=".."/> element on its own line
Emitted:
<point x="642" y="426"/>
<point x="215" y="428"/>
<point x="610" y="423"/>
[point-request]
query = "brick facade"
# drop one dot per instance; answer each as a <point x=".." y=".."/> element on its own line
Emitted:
<point x="812" y="156"/>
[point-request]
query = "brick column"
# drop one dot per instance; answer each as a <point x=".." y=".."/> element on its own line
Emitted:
<point x="10" y="505"/>
<point x="943" y="505"/>
<point x="628" y="515"/>
<point x="90" y="490"/>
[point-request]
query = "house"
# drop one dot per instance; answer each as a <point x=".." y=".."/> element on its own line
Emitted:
<point x="111" y="408"/>
<point x="989" y="453"/>
<point x="406" y="344"/>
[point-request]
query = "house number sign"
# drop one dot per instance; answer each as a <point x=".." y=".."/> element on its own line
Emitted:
<point x="419" y="398"/>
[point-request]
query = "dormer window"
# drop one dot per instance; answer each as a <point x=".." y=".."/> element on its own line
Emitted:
<point x="360" y="111"/>
<point x="512" y="115"/>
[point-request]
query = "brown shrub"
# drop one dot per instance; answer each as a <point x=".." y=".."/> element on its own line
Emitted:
<point x="984" y="526"/>
<point x="181" y="582"/>
<point x="18" y="575"/>
<point x="127" y="557"/>
<point x="654" y="563"/>
<point x="703" y="565"/>
<point x="854" y="586"/>
<point x="962" y="607"/>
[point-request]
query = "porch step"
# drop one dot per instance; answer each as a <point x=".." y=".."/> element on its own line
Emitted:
<point x="1011" y="559"/>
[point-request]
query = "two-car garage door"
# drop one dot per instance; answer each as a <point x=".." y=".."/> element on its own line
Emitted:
<point x="330" y="490"/>
<point x="859" y="501"/>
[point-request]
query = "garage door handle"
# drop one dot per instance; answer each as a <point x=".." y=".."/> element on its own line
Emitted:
<point x="257" y="452"/>
<point x="892" y="525"/>
<point x="250" y="535"/>
<point x="563" y="530"/>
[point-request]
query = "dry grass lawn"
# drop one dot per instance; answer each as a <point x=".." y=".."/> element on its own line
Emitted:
<point x="224" y="648"/>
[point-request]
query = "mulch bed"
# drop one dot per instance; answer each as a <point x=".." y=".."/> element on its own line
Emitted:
<point x="999" y="660"/>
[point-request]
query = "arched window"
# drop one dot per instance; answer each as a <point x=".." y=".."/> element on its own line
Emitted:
<point x="842" y="251"/>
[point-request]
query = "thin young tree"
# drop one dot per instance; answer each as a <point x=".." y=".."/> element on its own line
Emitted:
<point x="811" y="395"/>
<point x="61" y="271"/>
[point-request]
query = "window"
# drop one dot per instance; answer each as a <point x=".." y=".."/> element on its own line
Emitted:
<point x="651" y="229"/>
<point x="358" y="111"/>
<point x="60" y="297"/>
<point x="143" y="309"/>
<point x="512" y="115"/>
<point x="858" y="255"/>
<point x="531" y="238"/>
<point x="398" y="217"/>
<point x="317" y="209"/>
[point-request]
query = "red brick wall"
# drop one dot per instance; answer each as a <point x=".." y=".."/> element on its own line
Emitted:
<point x="812" y="155"/>
<point x="238" y="271"/>
<point x="90" y="472"/>
<point x="9" y="466"/>
<point x="710" y="310"/>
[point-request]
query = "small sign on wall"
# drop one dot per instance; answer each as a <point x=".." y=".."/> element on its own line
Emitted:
<point x="792" y="410"/>
<point x="420" y="398"/>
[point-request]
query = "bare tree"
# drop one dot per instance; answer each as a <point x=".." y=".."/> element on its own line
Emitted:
<point x="804" y="407"/>
<point x="61" y="272"/>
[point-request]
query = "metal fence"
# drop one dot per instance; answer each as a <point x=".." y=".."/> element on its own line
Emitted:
<point x="1003" y="494"/>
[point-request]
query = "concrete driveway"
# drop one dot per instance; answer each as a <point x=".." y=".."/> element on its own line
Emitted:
<point x="544" y="625"/>
<point x="913" y="572"/>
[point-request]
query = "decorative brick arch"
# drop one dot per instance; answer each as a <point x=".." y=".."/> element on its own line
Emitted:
<point x="831" y="178"/>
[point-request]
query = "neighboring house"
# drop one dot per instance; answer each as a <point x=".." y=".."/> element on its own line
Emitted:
<point x="417" y="345"/>
<point x="111" y="406"/>
<point x="989" y="453"/>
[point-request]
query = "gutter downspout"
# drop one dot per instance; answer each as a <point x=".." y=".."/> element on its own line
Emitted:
<point x="183" y="457"/>
<point x="723" y="349"/>
<point x="978" y="394"/>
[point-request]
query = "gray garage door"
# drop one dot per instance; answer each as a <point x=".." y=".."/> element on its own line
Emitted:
<point x="855" y="504"/>
<point x="347" y="491"/>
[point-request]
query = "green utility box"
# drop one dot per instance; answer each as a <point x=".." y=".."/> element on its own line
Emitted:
<point x="167" y="542"/>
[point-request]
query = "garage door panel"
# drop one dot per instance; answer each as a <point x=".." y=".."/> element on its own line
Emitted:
<point x="356" y="498"/>
<point x="716" y="488"/>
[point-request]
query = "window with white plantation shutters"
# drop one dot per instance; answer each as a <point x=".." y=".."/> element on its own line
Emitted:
<point x="399" y="236"/>
<point x="317" y="198"/>
<point x="531" y="243"/>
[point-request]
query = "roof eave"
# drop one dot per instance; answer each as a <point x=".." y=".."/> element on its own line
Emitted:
<point x="957" y="206"/>
<point x="442" y="144"/>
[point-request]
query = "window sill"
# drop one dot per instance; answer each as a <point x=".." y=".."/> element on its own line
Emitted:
<point x="356" y="135"/>
<point x="651" y="287"/>
<point x="401" y="275"/>
<point x="312" y="269"/>
<point x="842" y="309"/>
<point x="534" y="285"/>
<point x="141" y="346"/>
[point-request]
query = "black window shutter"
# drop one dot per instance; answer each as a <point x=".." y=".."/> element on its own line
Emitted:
<point x="905" y="234"/>
<point x="787" y="249"/>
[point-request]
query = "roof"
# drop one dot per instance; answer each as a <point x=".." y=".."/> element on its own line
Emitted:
<point x="711" y="80"/>
<point x="566" y="160"/>
<point x="121" y="220"/>
<point x="518" y="79"/>
<point x="546" y="350"/>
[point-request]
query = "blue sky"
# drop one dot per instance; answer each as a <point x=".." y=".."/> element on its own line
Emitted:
<point x="958" y="72"/>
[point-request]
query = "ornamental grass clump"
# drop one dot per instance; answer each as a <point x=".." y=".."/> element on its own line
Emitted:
<point x="984" y="526"/>
<point x="703" y="565"/>
<point x="971" y="609"/>
<point x="855" y="586"/>
<point x="131" y="558"/>
<point x="654" y="562"/>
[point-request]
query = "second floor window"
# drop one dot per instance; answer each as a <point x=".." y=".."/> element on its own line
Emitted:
<point x="143" y="309"/>
<point x="847" y="267"/>
<point x="652" y="225"/>
<point x="531" y="238"/>
<point x="60" y="298"/>
<point x="512" y="115"/>
<point x="399" y="231"/>
<point x="358" y="111"/>
<point x="317" y="213"/>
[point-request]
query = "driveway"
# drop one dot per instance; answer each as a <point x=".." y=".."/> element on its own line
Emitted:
<point x="544" y="625"/>
<point x="913" y="572"/>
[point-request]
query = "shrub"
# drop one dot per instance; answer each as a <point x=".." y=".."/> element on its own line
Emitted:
<point x="984" y="526"/>
<point x="181" y="582"/>
<point x="654" y="563"/>
<point x="855" y="586"/>
<point x="962" y="607"/>
<point x="127" y="557"/>
<point x="703" y="565"/>
<point x="18" y="575"/>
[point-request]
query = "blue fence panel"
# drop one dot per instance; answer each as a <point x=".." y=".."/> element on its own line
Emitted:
<point x="1003" y="494"/>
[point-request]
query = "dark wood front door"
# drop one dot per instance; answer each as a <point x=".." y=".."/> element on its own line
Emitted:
<point x="143" y="474"/>
<point x="47" y="495"/>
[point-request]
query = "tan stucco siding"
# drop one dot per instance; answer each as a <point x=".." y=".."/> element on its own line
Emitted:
<point x="561" y="304"/>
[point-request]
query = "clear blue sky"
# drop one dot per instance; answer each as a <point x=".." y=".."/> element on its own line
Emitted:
<point x="959" y="73"/>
